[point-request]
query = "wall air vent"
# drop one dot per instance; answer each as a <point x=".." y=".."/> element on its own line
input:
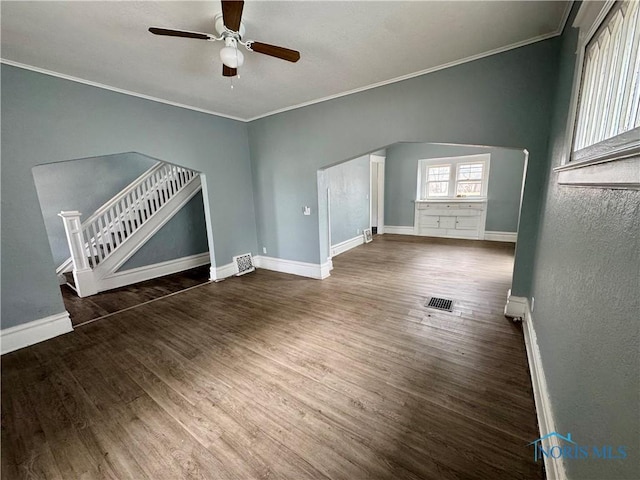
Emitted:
<point x="244" y="263"/>
<point x="440" y="304"/>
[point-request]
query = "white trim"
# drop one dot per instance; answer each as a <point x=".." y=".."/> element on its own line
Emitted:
<point x="455" y="63"/>
<point x="115" y="89"/>
<point x="589" y="18"/>
<point x="374" y="161"/>
<point x="501" y="236"/>
<point x="36" y="331"/>
<point x="225" y="271"/>
<point x="516" y="307"/>
<point x="325" y="269"/>
<point x="147" y="272"/>
<point x="555" y="468"/>
<point x="437" y="68"/>
<point x="453" y="163"/>
<point x="398" y="230"/>
<point x="342" y="247"/>
<point x="620" y="173"/>
<point x="303" y="269"/>
<point x="148" y="229"/>
<point x="606" y="169"/>
<point x="328" y="221"/>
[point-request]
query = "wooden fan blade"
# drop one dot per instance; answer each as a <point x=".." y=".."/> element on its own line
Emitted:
<point x="232" y="13"/>
<point x="278" y="52"/>
<point x="179" y="33"/>
<point x="228" y="71"/>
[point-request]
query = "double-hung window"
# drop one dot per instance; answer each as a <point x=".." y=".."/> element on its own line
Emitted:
<point x="469" y="179"/>
<point x="604" y="130"/>
<point x="453" y="177"/>
<point x="438" y="181"/>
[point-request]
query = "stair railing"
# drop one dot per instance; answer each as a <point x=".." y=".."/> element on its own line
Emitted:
<point x="109" y="226"/>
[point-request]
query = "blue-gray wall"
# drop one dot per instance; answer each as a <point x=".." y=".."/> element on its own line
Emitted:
<point x="349" y="183"/>
<point x="505" y="182"/>
<point x="184" y="235"/>
<point x="82" y="185"/>
<point x="502" y="100"/>
<point x="48" y="119"/>
<point x="86" y="184"/>
<point x="585" y="283"/>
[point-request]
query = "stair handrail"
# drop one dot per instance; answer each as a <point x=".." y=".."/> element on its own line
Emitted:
<point x="123" y="193"/>
<point x="157" y="177"/>
<point x="106" y="232"/>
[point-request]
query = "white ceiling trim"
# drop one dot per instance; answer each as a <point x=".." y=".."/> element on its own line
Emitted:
<point x="116" y="89"/>
<point x="523" y="43"/>
<point x="411" y="75"/>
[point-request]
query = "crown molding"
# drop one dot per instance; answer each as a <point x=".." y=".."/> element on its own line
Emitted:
<point x="444" y="66"/>
<point x="116" y="89"/>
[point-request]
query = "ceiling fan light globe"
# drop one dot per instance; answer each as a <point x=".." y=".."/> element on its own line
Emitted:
<point x="231" y="57"/>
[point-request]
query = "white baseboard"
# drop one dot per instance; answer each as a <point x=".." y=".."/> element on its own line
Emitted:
<point x="492" y="236"/>
<point x="555" y="468"/>
<point x="516" y="307"/>
<point x="220" y="273"/>
<point x="398" y="230"/>
<point x="147" y="272"/>
<point x="342" y="247"/>
<point x="310" y="270"/>
<point x="501" y="236"/>
<point x="325" y="269"/>
<point x="20" y="336"/>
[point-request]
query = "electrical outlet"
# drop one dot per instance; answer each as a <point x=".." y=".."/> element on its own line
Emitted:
<point x="357" y="231"/>
<point x="306" y="210"/>
<point x="533" y="302"/>
<point x="264" y="249"/>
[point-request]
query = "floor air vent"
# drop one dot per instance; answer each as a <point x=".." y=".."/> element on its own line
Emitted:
<point x="244" y="263"/>
<point x="440" y="304"/>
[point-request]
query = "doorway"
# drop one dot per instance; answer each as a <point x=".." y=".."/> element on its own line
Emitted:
<point x="377" y="193"/>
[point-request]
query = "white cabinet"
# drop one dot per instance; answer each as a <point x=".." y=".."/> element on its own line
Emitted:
<point x="453" y="219"/>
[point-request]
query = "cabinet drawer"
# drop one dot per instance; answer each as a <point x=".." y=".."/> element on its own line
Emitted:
<point x="473" y="206"/>
<point x="467" y="223"/>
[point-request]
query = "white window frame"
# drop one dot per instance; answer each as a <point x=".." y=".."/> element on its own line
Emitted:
<point x="452" y="163"/>
<point x="613" y="163"/>
<point x="426" y="183"/>
<point x="483" y="192"/>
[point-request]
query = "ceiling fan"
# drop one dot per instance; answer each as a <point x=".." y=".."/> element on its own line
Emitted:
<point x="230" y="29"/>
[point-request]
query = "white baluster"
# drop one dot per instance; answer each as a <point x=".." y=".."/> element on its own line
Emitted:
<point x="126" y="215"/>
<point x="115" y="233"/>
<point x="95" y="229"/>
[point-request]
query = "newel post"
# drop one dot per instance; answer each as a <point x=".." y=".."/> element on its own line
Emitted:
<point x="82" y="273"/>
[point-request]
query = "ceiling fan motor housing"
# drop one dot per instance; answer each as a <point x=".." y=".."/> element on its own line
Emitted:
<point x="222" y="31"/>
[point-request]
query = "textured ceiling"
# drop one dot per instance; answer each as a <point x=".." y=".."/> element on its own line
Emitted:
<point x="344" y="45"/>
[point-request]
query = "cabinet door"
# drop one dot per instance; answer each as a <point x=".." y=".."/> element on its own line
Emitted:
<point x="447" y="222"/>
<point x="428" y="221"/>
<point x="467" y="223"/>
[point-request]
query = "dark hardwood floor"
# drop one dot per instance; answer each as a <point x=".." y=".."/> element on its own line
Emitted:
<point x="272" y="376"/>
<point x="97" y="306"/>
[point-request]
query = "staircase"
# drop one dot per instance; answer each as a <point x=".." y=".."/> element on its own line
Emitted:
<point x="102" y="243"/>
